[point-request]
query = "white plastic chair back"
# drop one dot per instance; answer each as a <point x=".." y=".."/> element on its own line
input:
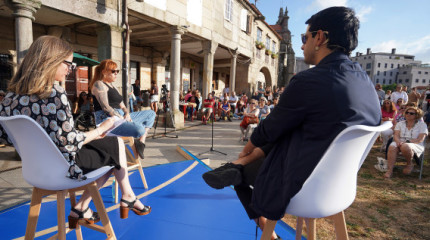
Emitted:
<point x="331" y="187"/>
<point x="43" y="165"/>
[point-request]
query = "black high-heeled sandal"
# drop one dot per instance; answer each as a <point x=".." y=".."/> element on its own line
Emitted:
<point x="74" y="221"/>
<point x="130" y="205"/>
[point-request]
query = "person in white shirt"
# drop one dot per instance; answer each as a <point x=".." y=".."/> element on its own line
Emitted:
<point x="226" y="89"/>
<point x="233" y="101"/>
<point x="399" y="94"/>
<point x="408" y="139"/>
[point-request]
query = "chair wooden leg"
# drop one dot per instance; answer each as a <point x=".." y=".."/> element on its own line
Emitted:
<point x="311" y="228"/>
<point x="61" y="215"/>
<point x="98" y="201"/>
<point x="268" y="230"/>
<point x="340" y="226"/>
<point x="299" y="228"/>
<point x="33" y="214"/>
<point x="142" y="176"/>
<point x="78" y="229"/>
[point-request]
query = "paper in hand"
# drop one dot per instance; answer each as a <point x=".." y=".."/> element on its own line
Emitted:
<point x="117" y="121"/>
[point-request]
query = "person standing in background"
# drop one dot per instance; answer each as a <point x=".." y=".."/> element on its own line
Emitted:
<point x="380" y="92"/>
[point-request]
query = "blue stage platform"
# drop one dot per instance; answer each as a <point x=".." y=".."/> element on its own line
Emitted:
<point x="183" y="208"/>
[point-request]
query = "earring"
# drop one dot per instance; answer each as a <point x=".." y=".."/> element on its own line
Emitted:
<point x="317" y="48"/>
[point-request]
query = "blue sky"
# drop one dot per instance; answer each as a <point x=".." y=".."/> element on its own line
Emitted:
<point x="384" y="24"/>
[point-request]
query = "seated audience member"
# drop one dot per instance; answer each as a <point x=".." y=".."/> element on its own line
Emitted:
<point x="388" y="95"/>
<point x="233" y="99"/>
<point x="268" y="93"/>
<point x="193" y="103"/>
<point x="414" y="96"/>
<point x="188" y="95"/>
<point x="399" y="93"/>
<point x="225" y="110"/>
<point x="388" y="110"/>
<point x="399" y="103"/>
<point x="255" y="96"/>
<point x="409" y="136"/>
<point x="84" y="151"/>
<point x="208" y="108"/>
<point x="276" y="93"/>
<point x="239" y="110"/>
<point x="219" y="102"/>
<point x="83" y="111"/>
<point x="244" y="99"/>
<point x="108" y="103"/>
<point x="250" y="116"/>
<point x="83" y="105"/>
<point x="264" y="109"/>
<point x="199" y="97"/>
<point x="275" y="102"/>
<point x="137" y="94"/>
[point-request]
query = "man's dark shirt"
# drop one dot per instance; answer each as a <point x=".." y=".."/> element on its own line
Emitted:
<point x="314" y="108"/>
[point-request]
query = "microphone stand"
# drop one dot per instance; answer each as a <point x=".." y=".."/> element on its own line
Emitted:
<point x="212" y="146"/>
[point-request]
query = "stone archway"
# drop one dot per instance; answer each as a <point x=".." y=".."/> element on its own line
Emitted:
<point x="264" y="77"/>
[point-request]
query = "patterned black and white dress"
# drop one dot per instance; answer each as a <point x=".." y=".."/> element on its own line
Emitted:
<point x="55" y="116"/>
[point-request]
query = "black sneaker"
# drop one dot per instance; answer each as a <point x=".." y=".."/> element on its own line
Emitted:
<point x="226" y="175"/>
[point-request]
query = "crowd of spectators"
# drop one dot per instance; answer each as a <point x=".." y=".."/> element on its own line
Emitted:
<point x="409" y="114"/>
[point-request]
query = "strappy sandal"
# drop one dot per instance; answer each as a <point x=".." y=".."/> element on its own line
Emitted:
<point x="74" y="221"/>
<point x="130" y="205"/>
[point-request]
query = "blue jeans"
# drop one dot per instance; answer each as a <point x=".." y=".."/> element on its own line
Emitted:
<point x="135" y="128"/>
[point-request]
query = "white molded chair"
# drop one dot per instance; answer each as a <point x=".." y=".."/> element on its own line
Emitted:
<point x="331" y="187"/>
<point x="44" y="167"/>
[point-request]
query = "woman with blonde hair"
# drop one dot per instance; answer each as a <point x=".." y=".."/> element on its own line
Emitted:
<point x="409" y="136"/>
<point x="108" y="103"/>
<point x="34" y="91"/>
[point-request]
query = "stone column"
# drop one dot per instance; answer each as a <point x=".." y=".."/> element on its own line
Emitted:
<point x="175" y="66"/>
<point x="109" y="46"/>
<point x="233" y="71"/>
<point x="209" y="48"/>
<point x="23" y="11"/>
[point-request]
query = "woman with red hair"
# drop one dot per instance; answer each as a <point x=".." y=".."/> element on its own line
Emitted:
<point x="108" y="103"/>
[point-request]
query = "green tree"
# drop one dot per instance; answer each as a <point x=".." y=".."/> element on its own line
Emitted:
<point x="391" y="87"/>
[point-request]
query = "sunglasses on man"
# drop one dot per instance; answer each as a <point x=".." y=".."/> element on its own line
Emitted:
<point x="313" y="33"/>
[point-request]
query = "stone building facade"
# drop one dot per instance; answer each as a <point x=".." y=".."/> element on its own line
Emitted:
<point x="415" y="76"/>
<point x="195" y="44"/>
<point x="383" y="68"/>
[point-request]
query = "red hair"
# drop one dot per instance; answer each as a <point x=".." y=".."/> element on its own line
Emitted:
<point x="107" y="64"/>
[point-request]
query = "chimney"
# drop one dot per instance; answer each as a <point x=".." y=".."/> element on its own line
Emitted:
<point x="368" y="51"/>
<point x="393" y="51"/>
<point x="357" y="54"/>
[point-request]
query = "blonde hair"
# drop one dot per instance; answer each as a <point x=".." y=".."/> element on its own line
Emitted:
<point x="36" y="73"/>
<point x="419" y="113"/>
<point x="106" y="64"/>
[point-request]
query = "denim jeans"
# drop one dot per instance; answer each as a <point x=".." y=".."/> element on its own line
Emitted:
<point x="135" y="128"/>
